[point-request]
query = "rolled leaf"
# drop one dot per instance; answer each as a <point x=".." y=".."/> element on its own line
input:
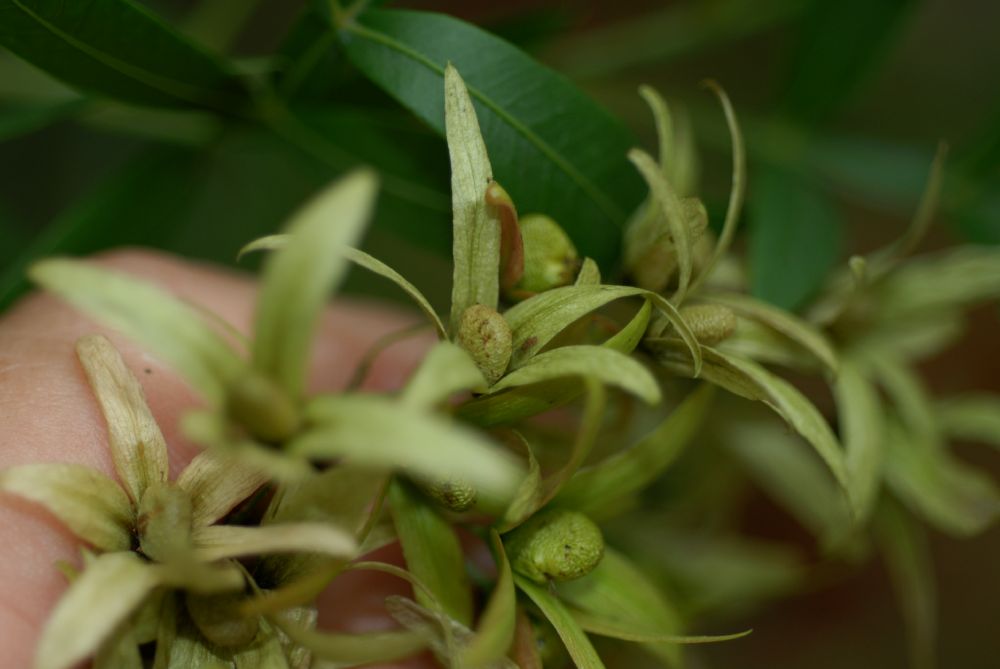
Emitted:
<point x="603" y="485"/>
<point x="616" y="630"/>
<point x="108" y="590"/>
<point x="604" y="364"/>
<point x="577" y="644"/>
<point x="476" y="226"/>
<point x="171" y="329"/>
<point x="432" y="552"/>
<point x="91" y="505"/>
<point x="298" y="278"/>
<point x="862" y="431"/>
<point x="374" y="431"/>
<point x="137" y="445"/>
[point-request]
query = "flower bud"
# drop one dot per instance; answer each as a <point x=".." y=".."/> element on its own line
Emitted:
<point x="550" y="259"/>
<point x="164" y="521"/>
<point x="710" y="323"/>
<point x="485" y="334"/>
<point x="218" y="619"/>
<point x="555" y="545"/>
<point x="262" y="408"/>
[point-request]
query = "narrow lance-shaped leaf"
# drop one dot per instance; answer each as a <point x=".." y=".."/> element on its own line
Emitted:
<point x="432" y="552"/>
<point x="553" y="149"/>
<point x="298" y="278"/>
<point x="444" y="371"/>
<point x="861" y="424"/>
<point x="218" y="542"/>
<point x="108" y="590"/>
<point x="149" y="315"/>
<point x="575" y="639"/>
<point x="602" y="485"/>
<point x="378" y="432"/>
<point x="355" y="649"/>
<point x="362" y="259"/>
<point x="476" y="226"/>
<point x="91" y="505"/>
<point x="971" y="417"/>
<point x="495" y="632"/>
<point x="121" y="50"/>
<point x="604" y="364"/>
<point x="137" y="446"/>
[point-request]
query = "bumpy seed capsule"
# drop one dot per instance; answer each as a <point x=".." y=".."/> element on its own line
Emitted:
<point x="555" y="545"/>
<point x="550" y="259"/>
<point x="485" y="334"/>
<point x="164" y="522"/>
<point x="262" y="408"/>
<point x="710" y="323"/>
<point x="218" y="618"/>
<point x="453" y="495"/>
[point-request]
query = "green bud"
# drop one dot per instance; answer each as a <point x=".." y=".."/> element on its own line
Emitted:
<point x="164" y="521"/>
<point x="550" y="259"/>
<point x="555" y="545"/>
<point x="453" y="495"/>
<point x="262" y="408"/>
<point x="218" y="619"/>
<point x="710" y="323"/>
<point x="485" y="334"/>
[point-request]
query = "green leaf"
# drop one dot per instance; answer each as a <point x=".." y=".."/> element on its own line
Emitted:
<point x="824" y="73"/>
<point x="955" y="497"/>
<point x="907" y="557"/>
<point x="594" y="624"/>
<point x="137" y="445"/>
<point x="528" y="497"/>
<point x="495" y="632"/>
<point x="216" y="482"/>
<point x="783" y="322"/>
<point x="538" y="319"/>
<point x="793" y="478"/>
<point x="603" y="485"/>
<point x="91" y="505"/>
<point x="748" y="379"/>
<point x="433" y="553"/>
<point x="171" y="329"/>
<point x="218" y="542"/>
<point x="974" y="417"/>
<point x="297" y="278"/>
<point x="476" y="227"/>
<point x="445" y="370"/>
<point x="862" y="430"/>
<point x="382" y="433"/>
<point x="355" y="649"/>
<point x="107" y="591"/>
<point x="795" y="238"/>
<point x="362" y="259"/>
<point x="626" y="339"/>
<point x="589" y="274"/>
<point x="21" y="119"/>
<point x="620" y="596"/>
<point x="553" y="149"/>
<point x="672" y="211"/>
<point x="119" y="49"/>
<point x="580" y="650"/>
<point x="603" y="364"/>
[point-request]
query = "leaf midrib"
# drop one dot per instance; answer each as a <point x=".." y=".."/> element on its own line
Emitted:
<point x="610" y="209"/>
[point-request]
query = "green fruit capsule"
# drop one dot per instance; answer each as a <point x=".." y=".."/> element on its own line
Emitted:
<point x="550" y="259"/>
<point x="453" y="495"/>
<point x="710" y="323"/>
<point x="555" y="545"/>
<point x="218" y="619"/>
<point x="485" y="334"/>
<point x="262" y="408"/>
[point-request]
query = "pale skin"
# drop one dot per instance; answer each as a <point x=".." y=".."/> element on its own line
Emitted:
<point x="50" y="415"/>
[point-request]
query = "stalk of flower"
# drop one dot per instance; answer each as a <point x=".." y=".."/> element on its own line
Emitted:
<point x="160" y="549"/>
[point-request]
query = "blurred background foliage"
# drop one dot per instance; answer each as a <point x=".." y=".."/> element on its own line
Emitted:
<point x="194" y="126"/>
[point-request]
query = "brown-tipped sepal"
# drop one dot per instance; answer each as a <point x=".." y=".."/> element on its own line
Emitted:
<point x="485" y="334"/>
<point x="710" y="323"/>
<point x="511" y="242"/>
<point x="550" y="259"/>
<point x="262" y="408"/>
<point x="555" y="545"/>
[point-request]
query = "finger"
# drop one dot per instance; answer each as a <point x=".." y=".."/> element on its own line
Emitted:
<point x="50" y="415"/>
